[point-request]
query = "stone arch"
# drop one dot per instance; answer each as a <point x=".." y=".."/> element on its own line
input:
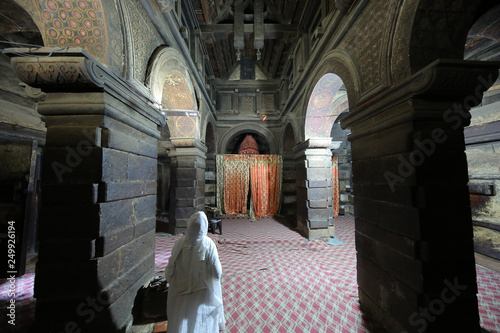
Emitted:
<point x="428" y="30"/>
<point x="210" y="139"/>
<point x="327" y="100"/>
<point x="20" y="27"/>
<point x="340" y="64"/>
<point x="249" y="128"/>
<point x="289" y="140"/>
<point x="179" y="101"/>
<point x="295" y="127"/>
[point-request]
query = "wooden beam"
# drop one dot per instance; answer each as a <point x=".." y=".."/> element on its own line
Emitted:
<point x="224" y="12"/>
<point x="206" y="11"/>
<point x="239" y="25"/>
<point x="269" y="53"/>
<point x="277" y="59"/>
<point x="290" y="11"/>
<point x="269" y="28"/>
<point x="274" y="11"/>
<point x="258" y="24"/>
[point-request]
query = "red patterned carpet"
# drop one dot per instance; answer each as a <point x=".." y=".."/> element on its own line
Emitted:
<point x="276" y="281"/>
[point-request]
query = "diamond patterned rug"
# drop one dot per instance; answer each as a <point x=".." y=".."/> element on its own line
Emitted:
<point x="276" y="281"/>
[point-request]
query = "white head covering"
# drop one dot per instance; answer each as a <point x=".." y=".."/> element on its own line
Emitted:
<point x="196" y="228"/>
<point x="195" y="241"/>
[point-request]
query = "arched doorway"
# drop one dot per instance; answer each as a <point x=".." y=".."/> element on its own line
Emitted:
<point x="481" y="136"/>
<point x="318" y="195"/>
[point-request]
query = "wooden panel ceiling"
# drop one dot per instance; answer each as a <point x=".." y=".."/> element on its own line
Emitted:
<point x="279" y="21"/>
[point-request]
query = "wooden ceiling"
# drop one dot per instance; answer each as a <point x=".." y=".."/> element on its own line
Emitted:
<point x="269" y="24"/>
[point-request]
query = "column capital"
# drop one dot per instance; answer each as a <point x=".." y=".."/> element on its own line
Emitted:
<point x="444" y="80"/>
<point x="313" y="143"/>
<point x="74" y="70"/>
<point x="187" y="147"/>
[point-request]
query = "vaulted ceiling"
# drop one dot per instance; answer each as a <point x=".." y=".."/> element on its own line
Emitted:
<point x="250" y="31"/>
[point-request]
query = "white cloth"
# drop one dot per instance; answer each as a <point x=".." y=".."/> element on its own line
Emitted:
<point x="194" y="301"/>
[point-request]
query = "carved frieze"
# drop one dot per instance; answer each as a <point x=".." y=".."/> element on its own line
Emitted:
<point x="74" y="70"/>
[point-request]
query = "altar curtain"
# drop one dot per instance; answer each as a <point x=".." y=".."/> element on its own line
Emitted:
<point x="235" y="174"/>
<point x="265" y="180"/>
<point x="236" y="184"/>
<point x="335" y="181"/>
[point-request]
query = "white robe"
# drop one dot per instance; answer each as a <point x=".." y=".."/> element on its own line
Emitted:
<point x="194" y="301"/>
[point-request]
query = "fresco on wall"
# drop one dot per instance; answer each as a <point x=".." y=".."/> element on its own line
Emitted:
<point x="324" y="106"/>
<point x="82" y="23"/>
<point x="178" y="96"/>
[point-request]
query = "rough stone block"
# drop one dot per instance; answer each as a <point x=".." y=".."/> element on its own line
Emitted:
<point x="111" y="191"/>
<point x="144" y="227"/>
<point x="403" y="220"/>
<point x="318" y="203"/>
<point x="141" y="168"/>
<point x="118" y="214"/>
<point x="122" y="260"/>
<point x="74" y="136"/>
<point x="318" y="224"/>
<point x="404" y="268"/>
<point x="109" y="243"/>
<point x="114" y="165"/>
<point x="187" y="174"/>
<point x="123" y="137"/>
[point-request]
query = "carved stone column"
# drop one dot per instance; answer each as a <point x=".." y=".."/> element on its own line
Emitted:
<point x="313" y="160"/>
<point x="187" y="194"/>
<point x="415" y="256"/>
<point x="97" y="221"/>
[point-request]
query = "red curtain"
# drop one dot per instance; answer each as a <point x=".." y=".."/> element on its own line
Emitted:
<point x="236" y="184"/>
<point x="335" y="178"/>
<point x="264" y="179"/>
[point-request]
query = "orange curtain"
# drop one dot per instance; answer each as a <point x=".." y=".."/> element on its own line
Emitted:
<point x="236" y="184"/>
<point x="335" y="181"/>
<point x="265" y="172"/>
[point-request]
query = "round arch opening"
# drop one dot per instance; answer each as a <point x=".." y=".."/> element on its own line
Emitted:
<point x="327" y="101"/>
<point x="234" y="143"/>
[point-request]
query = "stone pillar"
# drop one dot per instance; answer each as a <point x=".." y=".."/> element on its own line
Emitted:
<point x="188" y="181"/>
<point x="211" y="180"/>
<point x="416" y="270"/>
<point x="313" y="160"/>
<point x="289" y="204"/>
<point x="97" y="222"/>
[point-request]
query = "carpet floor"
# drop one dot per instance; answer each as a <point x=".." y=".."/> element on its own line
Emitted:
<point x="274" y="280"/>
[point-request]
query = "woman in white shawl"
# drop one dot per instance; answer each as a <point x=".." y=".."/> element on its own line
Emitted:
<point x="194" y="301"/>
